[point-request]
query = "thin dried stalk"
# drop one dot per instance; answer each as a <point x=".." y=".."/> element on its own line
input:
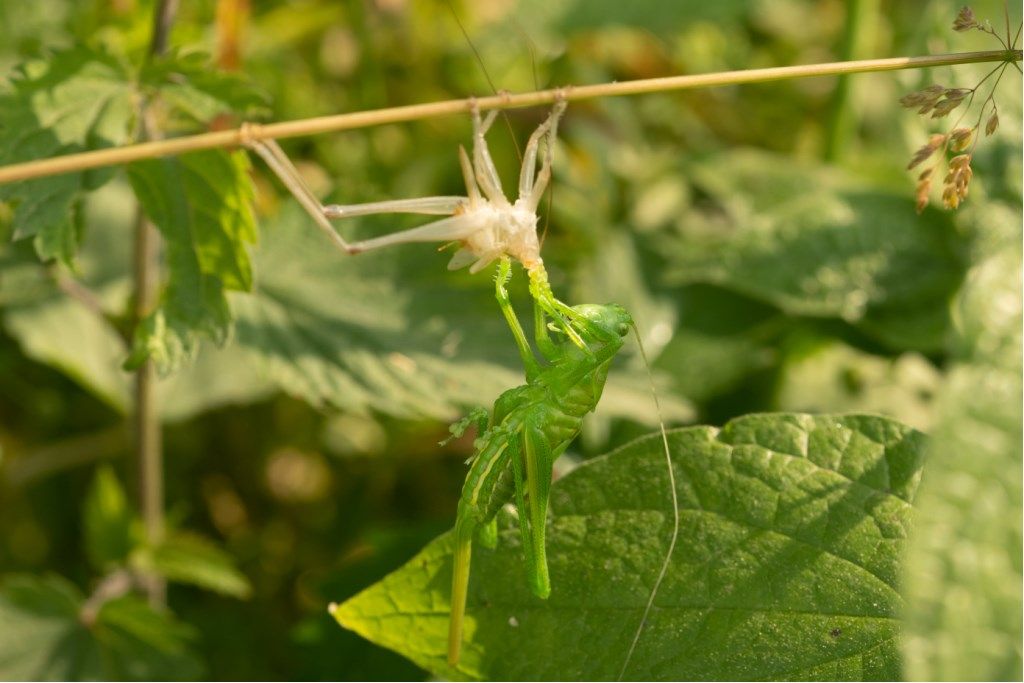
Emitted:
<point x="326" y="124"/>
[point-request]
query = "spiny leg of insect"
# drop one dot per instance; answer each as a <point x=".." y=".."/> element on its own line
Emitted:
<point x="454" y="227"/>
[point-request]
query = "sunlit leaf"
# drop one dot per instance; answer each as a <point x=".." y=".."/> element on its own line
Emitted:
<point x="201" y="202"/>
<point x="192" y="88"/>
<point x="73" y="100"/>
<point x="841" y="251"/>
<point x="964" y="571"/>
<point x="786" y="565"/>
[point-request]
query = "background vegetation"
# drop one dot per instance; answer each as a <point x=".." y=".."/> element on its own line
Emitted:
<point x="764" y="237"/>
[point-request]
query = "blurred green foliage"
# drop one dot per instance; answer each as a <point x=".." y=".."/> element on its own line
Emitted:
<point x="762" y="278"/>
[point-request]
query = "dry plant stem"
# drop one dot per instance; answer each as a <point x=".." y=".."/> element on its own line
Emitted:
<point x="326" y="124"/>
<point x="148" y="438"/>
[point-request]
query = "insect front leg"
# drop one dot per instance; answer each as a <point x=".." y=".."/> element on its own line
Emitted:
<point x="530" y="365"/>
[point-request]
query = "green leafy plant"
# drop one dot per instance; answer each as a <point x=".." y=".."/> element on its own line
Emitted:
<point x="770" y="254"/>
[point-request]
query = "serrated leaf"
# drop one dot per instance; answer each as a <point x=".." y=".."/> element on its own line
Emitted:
<point x="201" y="203"/>
<point x="108" y="520"/>
<point x="140" y="643"/>
<point x="843" y="250"/>
<point x="74" y="100"/>
<point x="964" y="573"/>
<point x="388" y="330"/>
<point x="190" y="558"/>
<point x="40" y="635"/>
<point x="191" y="87"/>
<point x="786" y="565"/>
<point x="43" y="637"/>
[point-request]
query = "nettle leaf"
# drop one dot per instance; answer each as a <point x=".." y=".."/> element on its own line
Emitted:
<point x="193" y="89"/>
<point x="843" y="250"/>
<point x="389" y="330"/>
<point x="189" y="558"/>
<point x="108" y="520"/>
<point x="201" y="203"/>
<point x="964" y="573"/>
<point x="44" y="637"/>
<point x="76" y="99"/>
<point x="786" y="565"/>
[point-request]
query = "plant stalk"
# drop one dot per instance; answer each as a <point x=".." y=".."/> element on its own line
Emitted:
<point x="325" y="124"/>
<point x="145" y="266"/>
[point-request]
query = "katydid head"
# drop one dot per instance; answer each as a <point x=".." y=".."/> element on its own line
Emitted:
<point x="605" y="320"/>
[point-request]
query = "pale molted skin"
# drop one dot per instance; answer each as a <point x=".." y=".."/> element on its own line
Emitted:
<point x="484" y="223"/>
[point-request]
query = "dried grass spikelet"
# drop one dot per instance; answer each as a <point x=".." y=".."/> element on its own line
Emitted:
<point x="924" y="188"/>
<point x="925" y="99"/>
<point x="954" y="97"/>
<point x="992" y="123"/>
<point x="965" y="20"/>
<point x="956" y="182"/>
<point x="925" y="151"/>
<point x="960" y="138"/>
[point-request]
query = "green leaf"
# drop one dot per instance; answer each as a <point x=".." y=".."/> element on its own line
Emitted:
<point x="43" y="636"/>
<point x="193" y="88"/>
<point x="821" y="374"/>
<point x="843" y="251"/>
<point x="786" y="565"/>
<point x="108" y="520"/>
<point x="140" y="643"/>
<point x="190" y="558"/>
<point x="80" y="342"/>
<point x="964" y="571"/>
<point x="74" y="100"/>
<point x="201" y="202"/>
<point x="389" y="330"/>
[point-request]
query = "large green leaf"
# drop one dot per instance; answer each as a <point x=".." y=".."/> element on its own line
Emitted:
<point x="964" y="572"/>
<point x="843" y="250"/>
<point x="201" y="202"/>
<point x="786" y="565"/>
<point x="74" y="100"/>
<point x="44" y="636"/>
<point x="389" y="330"/>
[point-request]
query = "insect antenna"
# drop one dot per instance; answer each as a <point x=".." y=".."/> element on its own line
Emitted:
<point x="675" y="510"/>
<point x="487" y="75"/>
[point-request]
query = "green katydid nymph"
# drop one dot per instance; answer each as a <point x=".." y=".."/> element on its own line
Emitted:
<point x="531" y="426"/>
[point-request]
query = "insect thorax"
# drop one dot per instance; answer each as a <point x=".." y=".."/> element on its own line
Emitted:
<point x="506" y="230"/>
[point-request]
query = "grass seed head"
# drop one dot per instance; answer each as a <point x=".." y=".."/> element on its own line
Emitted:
<point x="992" y="123"/>
<point x="926" y="150"/>
<point x="965" y="20"/>
<point x="960" y="138"/>
<point x="924" y="188"/>
<point x="957" y="181"/>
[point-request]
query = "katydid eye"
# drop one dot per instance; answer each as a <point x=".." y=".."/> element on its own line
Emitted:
<point x="623" y="329"/>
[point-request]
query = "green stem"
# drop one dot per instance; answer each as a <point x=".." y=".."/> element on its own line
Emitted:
<point x="146" y="417"/>
<point x="861" y="25"/>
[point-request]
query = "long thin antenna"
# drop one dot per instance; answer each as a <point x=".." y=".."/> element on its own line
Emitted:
<point x="675" y="511"/>
<point x="487" y="76"/>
